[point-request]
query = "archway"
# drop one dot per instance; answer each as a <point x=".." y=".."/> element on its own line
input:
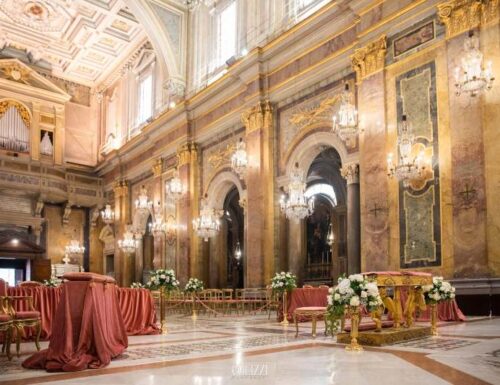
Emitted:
<point x="234" y="235"/>
<point x="326" y="259"/>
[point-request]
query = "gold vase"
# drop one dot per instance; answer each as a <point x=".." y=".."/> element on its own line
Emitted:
<point x="354" y="346"/>
<point x="194" y="315"/>
<point x="163" y="321"/>
<point x="285" y="309"/>
<point x="434" y="317"/>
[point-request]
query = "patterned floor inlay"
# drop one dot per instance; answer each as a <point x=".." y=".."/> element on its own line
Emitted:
<point x="437" y="343"/>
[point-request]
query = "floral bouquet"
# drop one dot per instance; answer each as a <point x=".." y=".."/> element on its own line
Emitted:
<point x="194" y="285"/>
<point x="162" y="278"/>
<point x="284" y="282"/>
<point x="137" y="285"/>
<point x="352" y="291"/>
<point x="52" y="282"/>
<point x="439" y="291"/>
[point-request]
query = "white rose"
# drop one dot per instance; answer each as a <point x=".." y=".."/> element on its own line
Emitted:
<point x="354" y="301"/>
<point x="336" y="297"/>
<point x="452" y="295"/>
<point x="372" y="288"/>
<point x="364" y="294"/>
<point x="330" y="300"/>
<point x="356" y="278"/>
<point x="162" y="276"/>
<point x="281" y="283"/>
<point x="330" y="290"/>
<point x="344" y="285"/>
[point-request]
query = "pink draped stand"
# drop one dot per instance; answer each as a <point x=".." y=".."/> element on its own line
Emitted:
<point x="89" y="324"/>
<point x="136" y="306"/>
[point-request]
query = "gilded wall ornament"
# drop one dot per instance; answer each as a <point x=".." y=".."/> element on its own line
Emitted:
<point x="157" y="168"/>
<point x="369" y="59"/>
<point x="257" y="117"/>
<point x="120" y="189"/>
<point x="321" y="113"/>
<point x="221" y="156"/>
<point x="23" y="111"/>
<point x="187" y="153"/>
<point x="462" y="15"/>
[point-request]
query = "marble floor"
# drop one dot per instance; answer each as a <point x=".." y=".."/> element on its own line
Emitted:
<point x="255" y="350"/>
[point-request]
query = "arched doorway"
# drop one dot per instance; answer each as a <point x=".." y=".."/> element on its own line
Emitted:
<point x="326" y="259"/>
<point x="234" y="235"/>
<point x="148" y="250"/>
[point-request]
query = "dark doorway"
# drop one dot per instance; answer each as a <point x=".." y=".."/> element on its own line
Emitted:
<point x="234" y="217"/>
<point x="148" y="249"/>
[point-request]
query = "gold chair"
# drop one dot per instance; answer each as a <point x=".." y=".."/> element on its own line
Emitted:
<point x="6" y="326"/>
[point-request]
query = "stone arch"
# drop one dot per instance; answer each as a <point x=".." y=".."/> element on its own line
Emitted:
<point x="220" y="185"/>
<point x="311" y="145"/>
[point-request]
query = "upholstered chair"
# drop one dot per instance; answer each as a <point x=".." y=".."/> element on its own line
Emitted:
<point x="22" y="319"/>
<point x="6" y="325"/>
<point x="30" y="284"/>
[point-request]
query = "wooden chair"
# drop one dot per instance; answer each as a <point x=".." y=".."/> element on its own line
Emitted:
<point x="6" y="325"/>
<point x="22" y="319"/>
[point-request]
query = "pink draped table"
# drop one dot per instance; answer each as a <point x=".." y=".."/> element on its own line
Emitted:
<point x="136" y="305"/>
<point x="304" y="297"/>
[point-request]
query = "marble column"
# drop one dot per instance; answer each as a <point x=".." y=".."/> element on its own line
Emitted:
<point x="351" y="173"/>
<point x="188" y="258"/>
<point x="259" y="222"/>
<point x="159" y="211"/>
<point x="122" y="216"/>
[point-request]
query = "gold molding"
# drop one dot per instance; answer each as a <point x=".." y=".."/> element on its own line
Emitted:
<point x="120" y="189"/>
<point x="258" y="117"/>
<point x="187" y="153"/>
<point x="221" y="156"/>
<point x="350" y="172"/>
<point x="462" y="15"/>
<point x="370" y="58"/>
<point x="15" y="71"/>
<point x="21" y="109"/>
<point x="157" y="168"/>
<point x="315" y="115"/>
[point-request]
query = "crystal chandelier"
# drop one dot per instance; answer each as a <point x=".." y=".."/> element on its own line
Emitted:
<point x="408" y="168"/>
<point x="207" y="225"/>
<point x="297" y="206"/>
<point x="72" y="249"/>
<point x="192" y="4"/>
<point x="239" y="160"/>
<point x="108" y="215"/>
<point x="174" y="187"/>
<point x="330" y="238"/>
<point x="237" y="251"/>
<point x="345" y="121"/>
<point x="158" y="226"/>
<point x="472" y="77"/>
<point x="128" y="244"/>
<point x="142" y="202"/>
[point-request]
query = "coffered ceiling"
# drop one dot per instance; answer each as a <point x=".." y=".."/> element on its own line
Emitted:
<point x="82" y="40"/>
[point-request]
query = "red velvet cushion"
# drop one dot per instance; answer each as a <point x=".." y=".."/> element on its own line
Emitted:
<point x="30" y="284"/>
<point x="383" y="273"/>
<point x="27" y="314"/>
<point x="311" y="308"/>
<point x="4" y="317"/>
<point x="88" y="277"/>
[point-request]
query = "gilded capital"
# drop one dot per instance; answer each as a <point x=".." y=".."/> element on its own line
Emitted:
<point x="350" y="172"/>
<point x="120" y="189"/>
<point x="157" y="167"/>
<point x="187" y="153"/>
<point x="258" y="117"/>
<point x="370" y="58"/>
<point x="462" y="15"/>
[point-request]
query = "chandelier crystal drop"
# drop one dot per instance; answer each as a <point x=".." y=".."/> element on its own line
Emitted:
<point x="174" y="187"/>
<point x="345" y="121"/>
<point x="207" y="225"/>
<point x="129" y="243"/>
<point x="330" y="238"/>
<point x="297" y="206"/>
<point x="108" y="215"/>
<point x="158" y="225"/>
<point x="471" y="77"/>
<point x="237" y="251"/>
<point x="239" y="160"/>
<point x="408" y="168"/>
<point x="142" y="202"/>
<point x="74" y="248"/>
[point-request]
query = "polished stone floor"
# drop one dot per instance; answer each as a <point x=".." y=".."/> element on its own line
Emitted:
<point x="255" y="350"/>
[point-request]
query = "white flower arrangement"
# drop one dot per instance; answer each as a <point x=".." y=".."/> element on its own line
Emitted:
<point x="52" y="282"/>
<point x="352" y="291"/>
<point x="163" y="279"/>
<point x="284" y="281"/>
<point x="136" y="285"/>
<point x="194" y="285"/>
<point x="439" y="291"/>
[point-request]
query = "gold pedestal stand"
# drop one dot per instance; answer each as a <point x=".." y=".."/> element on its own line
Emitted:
<point x="163" y="321"/>
<point x="354" y="346"/>
<point x="285" y="309"/>
<point x="434" y="317"/>
<point x="194" y="315"/>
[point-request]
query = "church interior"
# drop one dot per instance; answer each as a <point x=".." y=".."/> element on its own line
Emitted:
<point x="216" y="192"/>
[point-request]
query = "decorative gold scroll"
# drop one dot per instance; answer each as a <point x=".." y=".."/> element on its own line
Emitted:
<point x="315" y="115"/>
<point x="23" y="111"/>
<point x="221" y="156"/>
<point x="462" y="15"/>
<point x="369" y="59"/>
<point x="260" y="116"/>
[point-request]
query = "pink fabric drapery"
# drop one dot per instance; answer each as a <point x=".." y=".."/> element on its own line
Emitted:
<point x="90" y="329"/>
<point x="136" y="306"/>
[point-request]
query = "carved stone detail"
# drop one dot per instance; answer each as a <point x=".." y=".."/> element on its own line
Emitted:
<point x="462" y="15"/>
<point x="222" y="156"/>
<point x="350" y="172"/>
<point x="186" y="153"/>
<point x="66" y="213"/>
<point x="157" y="167"/>
<point x="369" y="59"/>
<point x="260" y="116"/>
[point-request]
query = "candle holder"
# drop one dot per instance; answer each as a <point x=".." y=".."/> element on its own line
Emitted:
<point x="285" y="309"/>
<point x="354" y="346"/>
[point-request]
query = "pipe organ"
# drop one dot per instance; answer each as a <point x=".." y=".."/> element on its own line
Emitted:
<point x="14" y="132"/>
